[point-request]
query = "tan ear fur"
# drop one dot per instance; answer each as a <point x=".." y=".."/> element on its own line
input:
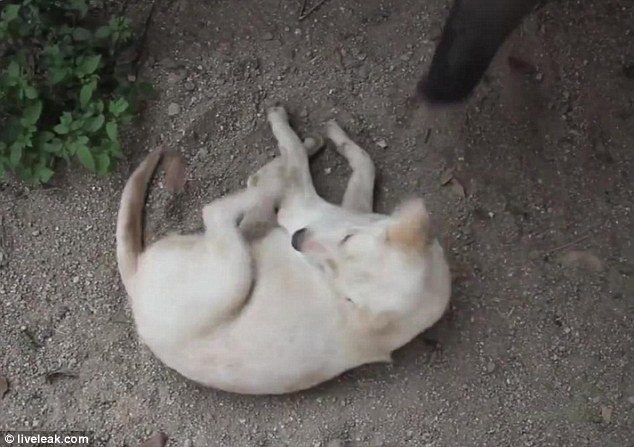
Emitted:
<point x="411" y="229"/>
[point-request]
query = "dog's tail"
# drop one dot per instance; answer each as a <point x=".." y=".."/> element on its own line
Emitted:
<point x="130" y="218"/>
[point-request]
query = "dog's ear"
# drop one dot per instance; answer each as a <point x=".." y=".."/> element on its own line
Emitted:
<point x="410" y="229"/>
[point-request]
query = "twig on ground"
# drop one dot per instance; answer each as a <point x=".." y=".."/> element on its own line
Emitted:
<point x="304" y="13"/>
<point x="580" y="239"/>
<point x="143" y="39"/>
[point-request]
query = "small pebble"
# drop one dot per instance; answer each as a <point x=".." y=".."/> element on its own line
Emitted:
<point x="190" y="86"/>
<point x="202" y="153"/>
<point x="168" y="62"/>
<point x="490" y="367"/>
<point x="173" y="78"/>
<point x="173" y="109"/>
<point x="336" y="443"/>
<point x="381" y="143"/>
<point x="267" y="36"/>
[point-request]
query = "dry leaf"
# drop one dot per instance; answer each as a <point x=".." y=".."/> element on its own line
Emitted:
<point x="581" y="259"/>
<point x="446" y="176"/>
<point x="606" y="414"/>
<point x="4" y="386"/>
<point x="457" y="188"/>
<point x="158" y="440"/>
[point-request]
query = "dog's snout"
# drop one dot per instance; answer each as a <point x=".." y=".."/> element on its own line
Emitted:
<point x="298" y="238"/>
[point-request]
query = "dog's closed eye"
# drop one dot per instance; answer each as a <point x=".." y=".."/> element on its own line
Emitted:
<point x="345" y="239"/>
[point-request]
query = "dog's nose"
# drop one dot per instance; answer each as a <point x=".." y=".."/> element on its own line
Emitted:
<point x="298" y="238"/>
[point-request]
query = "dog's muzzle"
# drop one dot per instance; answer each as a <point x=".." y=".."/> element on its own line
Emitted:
<point x="298" y="239"/>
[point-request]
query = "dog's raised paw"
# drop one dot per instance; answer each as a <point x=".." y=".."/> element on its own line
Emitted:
<point x="277" y="112"/>
<point x="313" y="143"/>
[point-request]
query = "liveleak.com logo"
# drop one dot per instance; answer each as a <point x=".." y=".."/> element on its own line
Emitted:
<point x="44" y="439"/>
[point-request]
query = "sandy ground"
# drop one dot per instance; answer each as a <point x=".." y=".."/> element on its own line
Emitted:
<point x="538" y="347"/>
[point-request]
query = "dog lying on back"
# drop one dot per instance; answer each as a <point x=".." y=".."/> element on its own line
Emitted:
<point x="267" y="304"/>
<point x="472" y="35"/>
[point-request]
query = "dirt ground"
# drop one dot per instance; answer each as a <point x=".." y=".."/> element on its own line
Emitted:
<point x="538" y="349"/>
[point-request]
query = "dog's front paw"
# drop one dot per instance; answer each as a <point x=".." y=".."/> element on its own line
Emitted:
<point x="277" y="113"/>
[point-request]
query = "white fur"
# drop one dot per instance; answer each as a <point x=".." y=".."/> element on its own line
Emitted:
<point x="258" y="316"/>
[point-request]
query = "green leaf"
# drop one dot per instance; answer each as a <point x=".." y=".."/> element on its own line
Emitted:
<point x="57" y="74"/>
<point x="45" y="136"/>
<point x="103" y="32"/>
<point x="118" y="106"/>
<point x="54" y="147"/>
<point x="85" y="94"/>
<point x="66" y="119"/>
<point x="81" y="34"/>
<point x="114" y="149"/>
<point x="88" y="65"/>
<point x="103" y="163"/>
<point x="61" y="129"/>
<point x="30" y="92"/>
<point x="16" y="154"/>
<point x="94" y="124"/>
<point x="85" y="157"/>
<point x="51" y="50"/>
<point x="76" y="125"/>
<point x="13" y="70"/>
<point x="112" y="131"/>
<point x="25" y="173"/>
<point x="32" y="114"/>
<point x="44" y="174"/>
<point x="11" y="12"/>
<point x="79" y="6"/>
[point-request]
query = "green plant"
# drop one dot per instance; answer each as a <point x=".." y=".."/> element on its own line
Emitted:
<point x="63" y="94"/>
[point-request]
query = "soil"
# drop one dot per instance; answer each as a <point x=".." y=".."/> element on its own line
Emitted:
<point x="531" y="188"/>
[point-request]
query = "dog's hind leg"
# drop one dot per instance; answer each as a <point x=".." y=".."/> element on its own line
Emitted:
<point x="359" y="194"/>
<point x="273" y="169"/>
<point x="294" y="154"/>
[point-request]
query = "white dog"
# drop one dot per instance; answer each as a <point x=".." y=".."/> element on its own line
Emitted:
<point x="320" y="291"/>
